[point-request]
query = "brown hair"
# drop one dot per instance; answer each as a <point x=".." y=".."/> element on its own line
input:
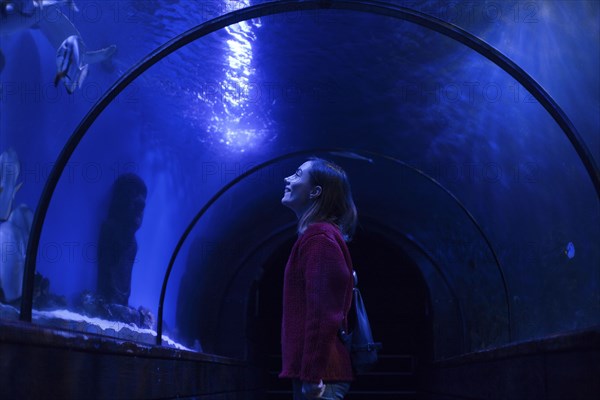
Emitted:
<point x="335" y="203"/>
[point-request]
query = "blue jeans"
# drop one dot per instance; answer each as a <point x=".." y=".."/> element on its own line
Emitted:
<point x="333" y="390"/>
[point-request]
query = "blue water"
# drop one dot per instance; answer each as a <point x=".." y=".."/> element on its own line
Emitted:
<point x="277" y="84"/>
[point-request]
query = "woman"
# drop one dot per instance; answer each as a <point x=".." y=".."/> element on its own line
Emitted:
<point x="318" y="282"/>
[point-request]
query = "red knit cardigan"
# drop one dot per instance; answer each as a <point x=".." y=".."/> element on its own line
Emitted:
<point x="317" y="294"/>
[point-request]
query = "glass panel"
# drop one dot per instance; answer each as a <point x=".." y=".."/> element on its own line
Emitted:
<point x="207" y="297"/>
<point x="446" y="310"/>
<point x="37" y="115"/>
<point x="266" y="87"/>
<point x="426" y="214"/>
<point x="554" y="41"/>
<point x="152" y="130"/>
<point x="94" y="246"/>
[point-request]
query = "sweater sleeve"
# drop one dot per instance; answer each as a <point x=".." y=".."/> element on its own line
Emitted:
<point x="326" y="278"/>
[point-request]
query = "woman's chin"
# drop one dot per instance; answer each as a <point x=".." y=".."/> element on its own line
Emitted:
<point x="286" y="202"/>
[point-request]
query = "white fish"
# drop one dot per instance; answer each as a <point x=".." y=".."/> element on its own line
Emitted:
<point x="69" y="62"/>
<point x="10" y="168"/>
<point x="72" y="61"/>
<point x="14" y="235"/>
<point x="22" y="218"/>
<point x="16" y="15"/>
<point x="352" y="155"/>
<point x="10" y="276"/>
<point x="14" y="228"/>
<point x="569" y="250"/>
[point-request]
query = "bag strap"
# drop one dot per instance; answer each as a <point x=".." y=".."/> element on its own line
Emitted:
<point x="343" y="331"/>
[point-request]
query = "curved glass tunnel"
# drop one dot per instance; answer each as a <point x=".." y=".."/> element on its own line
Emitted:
<point x="479" y="223"/>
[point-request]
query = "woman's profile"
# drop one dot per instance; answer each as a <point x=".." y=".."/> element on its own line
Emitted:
<point x="318" y="282"/>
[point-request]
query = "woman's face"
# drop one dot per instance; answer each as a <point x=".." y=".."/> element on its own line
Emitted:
<point x="297" y="192"/>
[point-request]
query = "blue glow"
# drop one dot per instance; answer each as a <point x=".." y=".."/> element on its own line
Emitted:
<point x="233" y="125"/>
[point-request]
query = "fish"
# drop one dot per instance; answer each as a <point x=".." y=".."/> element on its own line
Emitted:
<point x="72" y="57"/>
<point x="22" y="219"/>
<point x="14" y="227"/>
<point x="351" y="155"/>
<point x="569" y="250"/>
<point x="72" y="61"/>
<point x="10" y="275"/>
<point x="10" y="168"/>
<point x="17" y="15"/>
<point x="14" y="234"/>
<point x="70" y="64"/>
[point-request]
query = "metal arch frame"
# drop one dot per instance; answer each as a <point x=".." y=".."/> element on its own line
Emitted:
<point x="421" y="248"/>
<point x="277" y="159"/>
<point x="271" y="8"/>
<point x="245" y="259"/>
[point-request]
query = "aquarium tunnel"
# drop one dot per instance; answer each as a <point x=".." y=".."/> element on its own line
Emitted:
<point x="143" y="150"/>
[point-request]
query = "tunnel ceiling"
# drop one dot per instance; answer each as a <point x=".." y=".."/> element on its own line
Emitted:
<point x="274" y="85"/>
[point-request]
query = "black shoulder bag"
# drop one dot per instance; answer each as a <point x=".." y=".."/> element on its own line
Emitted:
<point x="359" y="340"/>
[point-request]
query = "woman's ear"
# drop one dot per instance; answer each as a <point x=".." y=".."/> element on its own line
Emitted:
<point x="315" y="192"/>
